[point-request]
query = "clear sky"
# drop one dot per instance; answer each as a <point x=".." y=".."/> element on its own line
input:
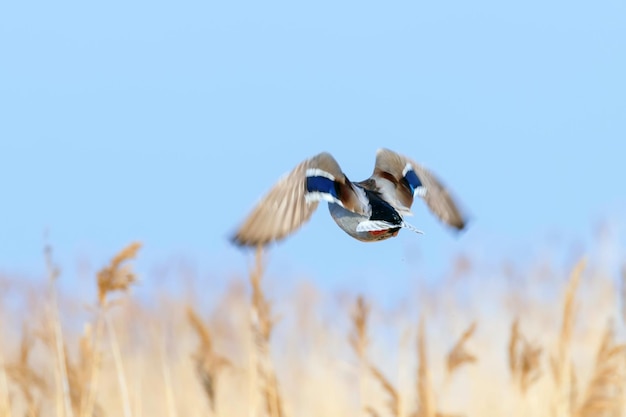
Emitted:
<point x="164" y="122"/>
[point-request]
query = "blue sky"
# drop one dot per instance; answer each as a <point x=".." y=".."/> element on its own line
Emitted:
<point x="165" y="122"/>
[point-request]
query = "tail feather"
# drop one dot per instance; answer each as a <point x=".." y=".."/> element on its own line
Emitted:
<point x="410" y="227"/>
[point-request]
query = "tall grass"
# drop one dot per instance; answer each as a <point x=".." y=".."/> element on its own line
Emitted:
<point x="556" y="356"/>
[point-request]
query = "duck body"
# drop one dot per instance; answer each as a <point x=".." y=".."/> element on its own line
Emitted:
<point x="387" y="219"/>
<point x="369" y="210"/>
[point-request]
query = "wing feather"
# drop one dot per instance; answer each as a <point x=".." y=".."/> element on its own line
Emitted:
<point x="392" y="167"/>
<point x="284" y="208"/>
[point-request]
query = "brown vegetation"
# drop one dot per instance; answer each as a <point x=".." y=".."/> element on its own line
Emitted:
<point x="541" y="357"/>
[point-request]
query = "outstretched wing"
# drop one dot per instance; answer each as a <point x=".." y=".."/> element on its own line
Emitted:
<point x="292" y="201"/>
<point x="406" y="178"/>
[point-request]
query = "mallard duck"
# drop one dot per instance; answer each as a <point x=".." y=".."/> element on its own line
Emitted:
<point x="369" y="210"/>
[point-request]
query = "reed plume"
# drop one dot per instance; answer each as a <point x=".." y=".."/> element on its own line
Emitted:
<point x="524" y="359"/>
<point x="208" y="363"/>
<point x="459" y="355"/>
<point x="262" y="324"/>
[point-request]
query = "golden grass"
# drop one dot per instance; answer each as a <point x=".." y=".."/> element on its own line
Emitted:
<point x="524" y="359"/>
<point x="117" y="276"/>
<point x="262" y="324"/>
<point x="208" y="363"/>
<point x="560" y="357"/>
<point x="459" y="354"/>
<point x="561" y="362"/>
<point x="359" y="340"/>
<point x="604" y="394"/>
<point x="425" y="396"/>
<point x="31" y="385"/>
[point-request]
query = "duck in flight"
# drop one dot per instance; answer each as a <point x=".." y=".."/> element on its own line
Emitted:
<point x="369" y="210"/>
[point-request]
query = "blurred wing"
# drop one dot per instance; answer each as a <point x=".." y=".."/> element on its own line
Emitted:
<point x="409" y="179"/>
<point x="288" y="204"/>
<point x="438" y="198"/>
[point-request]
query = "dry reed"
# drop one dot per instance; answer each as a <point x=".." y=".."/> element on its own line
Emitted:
<point x="262" y="324"/>
<point x="359" y="341"/>
<point x="67" y="381"/>
<point x="459" y="354"/>
<point x="561" y="364"/>
<point x="358" y="338"/>
<point x="605" y="392"/>
<point x="5" y="400"/>
<point x="524" y="359"/>
<point x="425" y="395"/>
<point x="394" y="401"/>
<point x="208" y="363"/>
<point x="116" y="276"/>
<point x="78" y="374"/>
<point x="31" y="384"/>
<point x="63" y="402"/>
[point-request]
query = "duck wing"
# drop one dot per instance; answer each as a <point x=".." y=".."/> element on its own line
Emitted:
<point x="399" y="178"/>
<point x="294" y="198"/>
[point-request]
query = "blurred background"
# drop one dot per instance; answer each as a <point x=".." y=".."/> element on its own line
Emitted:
<point x="165" y="122"/>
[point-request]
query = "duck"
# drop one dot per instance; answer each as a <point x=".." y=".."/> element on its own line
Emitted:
<point x="369" y="211"/>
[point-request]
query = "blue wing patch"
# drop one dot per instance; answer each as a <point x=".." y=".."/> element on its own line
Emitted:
<point x="412" y="180"/>
<point x="319" y="184"/>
